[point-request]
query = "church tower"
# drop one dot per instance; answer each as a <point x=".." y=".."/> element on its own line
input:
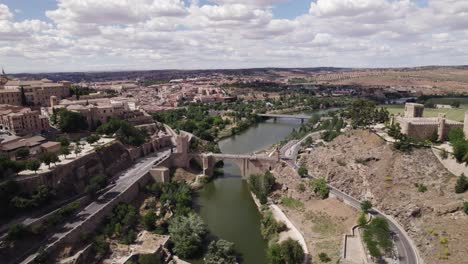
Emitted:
<point x="3" y="79"/>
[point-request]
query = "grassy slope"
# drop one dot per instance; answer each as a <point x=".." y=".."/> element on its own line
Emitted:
<point x="457" y="114"/>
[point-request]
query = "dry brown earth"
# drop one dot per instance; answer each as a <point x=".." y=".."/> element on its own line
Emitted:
<point x="321" y="222"/>
<point x="364" y="166"/>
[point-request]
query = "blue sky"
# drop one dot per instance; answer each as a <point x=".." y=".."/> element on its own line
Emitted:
<point x="35" y="9"/>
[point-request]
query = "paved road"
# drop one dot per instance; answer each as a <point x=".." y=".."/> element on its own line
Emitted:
<point x="125" y="180"/>
<point x="406" y="251"/>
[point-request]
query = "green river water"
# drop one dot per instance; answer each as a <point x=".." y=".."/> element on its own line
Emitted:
<point x="225" y="204"/>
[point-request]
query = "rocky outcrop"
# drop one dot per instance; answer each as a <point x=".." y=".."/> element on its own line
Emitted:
<point x="366" y="167"/>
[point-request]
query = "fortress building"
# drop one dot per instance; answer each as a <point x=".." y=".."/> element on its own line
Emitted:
<point x="415" y="125"/>
<point x="31" y="93"/>
<point x="19" y="120"/>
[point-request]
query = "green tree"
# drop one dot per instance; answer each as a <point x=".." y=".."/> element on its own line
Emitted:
<point x="100" y="246"/>
<point x="22" y="153"/>
<point x="64" y="142"/>
<point x="77" y="149"/>
<point x="64" y="151"/>
<point x="287" y="252"/>
<point x="320" y="187"/>
<point x="362" y="221"/>
<point x="303" y="172"/>
<point x="93" y="139"/>
<point x="465" y="207"/>
<point x="48" y="158"/>
<point x="71" y="122"/>
<point x="187" y="233"/>
<point x="261" y="185"/>
<point x="462" y="184"/>
<point x="149" y="259"/>
<point x="33" y="165"/>
<point x="95" y="184"/>
<point x="149" y="220"/>
<point x="220" y="251"/>
<point x="361" y="112"/>
<point x="366" y="206"/>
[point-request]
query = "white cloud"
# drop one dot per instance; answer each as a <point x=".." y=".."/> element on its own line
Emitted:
<point x="125" y="34"/>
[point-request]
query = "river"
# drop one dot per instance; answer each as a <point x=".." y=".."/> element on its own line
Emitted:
<point x="225" y="204"/>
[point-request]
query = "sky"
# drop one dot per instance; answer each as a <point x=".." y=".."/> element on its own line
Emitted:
<point x="110" y="35"/>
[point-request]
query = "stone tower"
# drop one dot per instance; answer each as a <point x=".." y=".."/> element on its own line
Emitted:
<point x="53" y="101"/>
<point x="3" y="79"/>
<point x="441" y="128"/>
<point x="414" y="110"/>
<point x="465" y="126"/>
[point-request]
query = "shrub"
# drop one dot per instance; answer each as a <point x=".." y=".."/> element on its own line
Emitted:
<point x="377" y="237"/>
<point x="288" y="251"/>
<point x="421" y="187"/>
<point x="187" y="233"/>
<point x="261" y="185"/>
<point x="149" y="220"/>
<point x="303" y="172"/>
<point x="324" y="257"/>
<point x="465" y="207"/>
<point x="100" y="246"/>
<point x="93" y="139"/>
<point x="220" y="251"/>
<point x="462" y="184"/>
<point x="320" y="187"/>
<point x="301" y="187"/>
<point x="366" y="206"/>
<point x="269" y="227"/>
<point x="362" y="221"/>
<point x="18" y="231"/>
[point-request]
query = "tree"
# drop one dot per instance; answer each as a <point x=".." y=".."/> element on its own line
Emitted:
<point x="366" y="206"/>
<point x="149" y="259"/>
<point x="71" y="122"/>
<point x="149" y="220"/>
<point x="320" y="187"/>
<point x="100" y="246"/>
<point x="187" y="233"/>
<point x="48" y="158"/>
<point x="64" y="151"/>
<point x="465" y="207"/>
<point x="361" y="112"/>
<point x="362" y="221"/>
<point x="462" y="184"/>
<point x="261" y="185"/>
<point x="220" y="251"/>
<point x="77" y="150"/>
<point x="24" y="99"/>
<point x="93" y="139"/>
<point x="33" y="165"/>
<point x="303" y="172"/>
<point x="64" y="142"/>
<point x="287" y="252"/>
<point x="95" y="184"/>
<point x="22" y="153"/>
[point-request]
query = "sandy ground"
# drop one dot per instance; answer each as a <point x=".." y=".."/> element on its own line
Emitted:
<point x="322" y="222"/>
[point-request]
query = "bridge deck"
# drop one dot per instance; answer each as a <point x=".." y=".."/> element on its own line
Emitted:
<point x="286" y="116"/>
<point x="240" y="156"/>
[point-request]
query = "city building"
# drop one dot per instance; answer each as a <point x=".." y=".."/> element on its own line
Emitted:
<point x="31" y="93"/>
<point x="100" y="111"/>
<point x="18" y="120"/>
<point x="415" y="125"/>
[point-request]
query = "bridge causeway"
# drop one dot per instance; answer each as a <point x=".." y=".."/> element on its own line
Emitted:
<point x="300" y="117"/>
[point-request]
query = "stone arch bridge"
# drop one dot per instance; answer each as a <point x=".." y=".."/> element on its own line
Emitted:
<point x="248" y="164"/>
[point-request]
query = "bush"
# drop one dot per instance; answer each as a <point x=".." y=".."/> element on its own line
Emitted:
<point x="100" y="246"/>
<point x="93" y="139"/>
<point x="269" y="227"/>
<point x="465" y="207"/>
<point x="149" y="220"/>
<point x="462" y="184"/>
<point x="324" y="257"/>
<point x="320" y="187"/>
<point x="377" y="237"/>
<point x="421" y="187"/>
<point x="124" y="131"/>
<point x="303" y="172"/>
<point x="220" y="251"/>
<point x="366" y="206"/>
<point x="288" y="251"/>
<point x="18" y="231"/>
<point x="22" y="153"/>
<point x="362" y="220"/>
<point x="261" y="185"/>
<point x="187" y="233"/>
<point x="301" y="187"/>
